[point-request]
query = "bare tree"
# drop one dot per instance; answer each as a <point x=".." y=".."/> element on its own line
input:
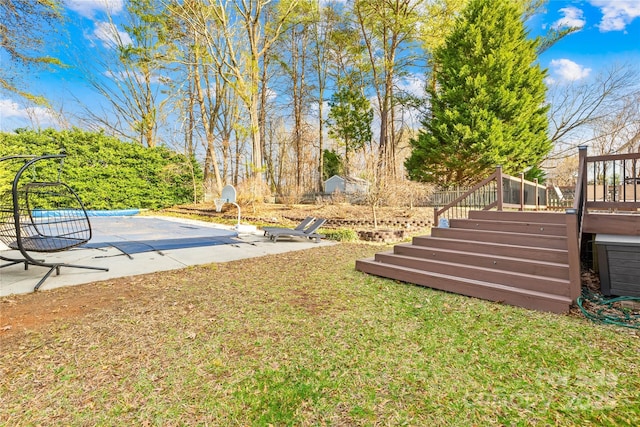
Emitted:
<point x="631" y="131"/>
<point x="129" y="75"/>
<point x="293" y="54"/>
<point x="603" y="114"/>
<point x="322" y="28"/>
<point x="386" y="28"/>
<point x="619" y="131"/>
<point x="577" y="111"/>
<point x="23" y="25"/>
<point x="215" y="102"/>
<point x="241" y="52"/>
<point x="564" y="171"/>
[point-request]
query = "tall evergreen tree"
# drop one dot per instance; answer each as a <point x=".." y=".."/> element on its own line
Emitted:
<point x="488" y="103"/>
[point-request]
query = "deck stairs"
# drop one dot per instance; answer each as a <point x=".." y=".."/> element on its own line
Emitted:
<point x="518" y="258"/>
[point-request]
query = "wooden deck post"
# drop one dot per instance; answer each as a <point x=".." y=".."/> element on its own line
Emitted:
<point x="573" y="249"/>
<point x="499" y="190"/>
<point x="521" y="176"/>
<point x="582" y="160"/>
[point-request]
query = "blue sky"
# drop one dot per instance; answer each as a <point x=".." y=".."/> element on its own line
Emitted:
<point x="609" y="34"/>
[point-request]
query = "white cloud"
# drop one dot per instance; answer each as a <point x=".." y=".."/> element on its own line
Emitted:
<point x="272" y="95"/>
<point x="413" y="84"/>
<point x="89" y="8"/>
<point x="10" y="109"/>
<point x="567" y="70"/>
<point x="110" y="36"/>
<point x="572" y="18"/>
<point x="616" y="14"/>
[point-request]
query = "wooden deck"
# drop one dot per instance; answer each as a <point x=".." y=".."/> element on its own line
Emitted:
<point x="518" y="258"/>
<point x="626" y="224"/>
<point x="527" y="259"/>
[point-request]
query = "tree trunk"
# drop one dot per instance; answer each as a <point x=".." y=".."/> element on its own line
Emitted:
<point x="211" y="161"/>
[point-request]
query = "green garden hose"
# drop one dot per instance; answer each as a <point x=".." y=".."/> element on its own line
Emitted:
<point x="605" y="310"/>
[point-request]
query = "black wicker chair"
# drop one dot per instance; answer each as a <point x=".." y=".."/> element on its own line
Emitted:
<point x="39" y="213"/>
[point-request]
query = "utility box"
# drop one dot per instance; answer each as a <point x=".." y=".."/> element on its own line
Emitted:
<point x="619" y="264"/>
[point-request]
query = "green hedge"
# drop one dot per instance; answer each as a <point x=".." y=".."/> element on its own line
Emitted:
<point x="108" y="173"/>
<point x="340" y="234"/>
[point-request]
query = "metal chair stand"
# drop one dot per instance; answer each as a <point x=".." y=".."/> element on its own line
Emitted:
<point x="39" y="213"/>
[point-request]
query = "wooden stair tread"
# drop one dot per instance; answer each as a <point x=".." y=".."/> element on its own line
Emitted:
<point x="536" y="228"/>
<point x="493" y="248"/>
<point x="480" y="268"/>
<point x="526" y="298"/>
<point x="485" y="255"/>
<point x="475" y="242"/>
<point x="516" y="216"/>
<point x="556" y="265"/>
<point x="503" y="233"/>
<point x="496" y="221"/>
<point x="473" y="281"/>
<point x="545" y="284"/>
<point x="488" y="221"/>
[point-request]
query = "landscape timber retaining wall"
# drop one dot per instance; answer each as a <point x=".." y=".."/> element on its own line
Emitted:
<point x="391" y="223"/>
<point x="387" y="236"/>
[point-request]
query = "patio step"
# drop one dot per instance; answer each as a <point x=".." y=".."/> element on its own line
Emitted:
<point x="519" y="258"/>
<point x="502" y="237"/>
<point x="476" y="246"/>
<point x="540" y="283"/>
<point x="511" y="295"/>
<point x="517" y="216"/>
<point x="535" y="267"/>
<point x="526" y="227"/>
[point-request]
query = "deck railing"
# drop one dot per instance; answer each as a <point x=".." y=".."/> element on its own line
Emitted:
<point x="498" y="191"/>
<point x="607" y="182"/>
<point x="560" y="198"/>
<point x="612" y="181"/>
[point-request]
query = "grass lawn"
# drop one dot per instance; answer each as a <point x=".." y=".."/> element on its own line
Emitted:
<point x="303" y="339"/>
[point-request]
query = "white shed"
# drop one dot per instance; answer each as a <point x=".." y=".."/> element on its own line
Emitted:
<point x="345" y="185"/>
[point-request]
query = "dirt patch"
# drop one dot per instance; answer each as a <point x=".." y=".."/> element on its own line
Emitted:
<point x="20" y="313"/>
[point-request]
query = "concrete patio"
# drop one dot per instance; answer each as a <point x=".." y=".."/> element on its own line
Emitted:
<point x="170" y="233"/>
